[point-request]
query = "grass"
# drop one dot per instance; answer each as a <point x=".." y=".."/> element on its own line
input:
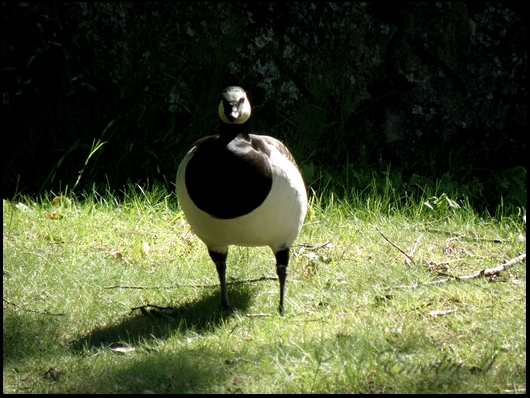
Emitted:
<point x="356" y="319"/>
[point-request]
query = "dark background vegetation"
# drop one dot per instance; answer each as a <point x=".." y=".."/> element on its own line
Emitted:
<point x="421" y="94"/>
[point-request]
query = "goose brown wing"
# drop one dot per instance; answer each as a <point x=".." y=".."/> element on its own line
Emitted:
<point x="280" y="147"/>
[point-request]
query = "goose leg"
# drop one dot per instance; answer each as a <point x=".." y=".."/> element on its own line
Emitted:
<point x="220" y="263"/>
<point x="282" y="261"/>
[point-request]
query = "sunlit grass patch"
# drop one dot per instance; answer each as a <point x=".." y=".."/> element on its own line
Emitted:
<point x="366" y="307"/>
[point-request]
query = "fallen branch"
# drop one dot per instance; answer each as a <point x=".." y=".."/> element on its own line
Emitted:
<point x="442" y="312"/>
<point x="314" y="247"/>
<point x="416" y="242"/>
<point x="490" y="271"/>
<point x="433" y="266"/>
<point x="167" y="311"/>
<point x="396" y="246"/>
<point x="486" y="272"/>
<point x="521" y="390"/>
<point x="440" y="231"/>
<point x="160" y="311"/>
<point x="447" y="248"/>
<point x="176" y="286"/>
<point x="35" y="312"/>
<point x="446" y="263"/>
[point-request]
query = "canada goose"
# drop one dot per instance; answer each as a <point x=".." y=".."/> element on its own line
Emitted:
<point x="242" y="189"/>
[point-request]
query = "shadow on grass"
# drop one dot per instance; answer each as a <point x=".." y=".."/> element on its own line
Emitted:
<point x="151" y="368"/>
<point x="185" y="371"/>
<point x="26" y="334"/>
<point x="200" y="316"/>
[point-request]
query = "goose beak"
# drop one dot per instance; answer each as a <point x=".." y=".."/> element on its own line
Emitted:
<point x="235" y="113"/>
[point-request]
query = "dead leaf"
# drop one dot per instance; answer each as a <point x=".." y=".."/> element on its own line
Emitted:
<point x="441" y="312"/>
<point x="123" y="350"/>
<point x="52" y="373"/>
<point x="61" y="201"/>
<point x="53" y="216"/>
<point x="116" y="255"/>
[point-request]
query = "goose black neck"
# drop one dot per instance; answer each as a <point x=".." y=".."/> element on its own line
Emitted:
<point x="231" y="131"/>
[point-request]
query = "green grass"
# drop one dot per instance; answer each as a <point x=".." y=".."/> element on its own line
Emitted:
<point x="355" y="322"/>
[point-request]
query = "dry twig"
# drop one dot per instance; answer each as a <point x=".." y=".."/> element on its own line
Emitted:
<point x="440" y="231"/>
<point x="441" y="312"/>
<point x="490" y="271"/>
<point x="416" y="242"/>
<point x="314" y="247"/>
<point x="447" y="248"/>
<point x="160" y="311"/>
<point x="396" y="246"/>
<point x="176" y="286"/>
<point x="25" y="309"/>
<point x="486" y="272"/>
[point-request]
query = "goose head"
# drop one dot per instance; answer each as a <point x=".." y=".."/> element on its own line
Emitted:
<point x="234" y="107"/>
